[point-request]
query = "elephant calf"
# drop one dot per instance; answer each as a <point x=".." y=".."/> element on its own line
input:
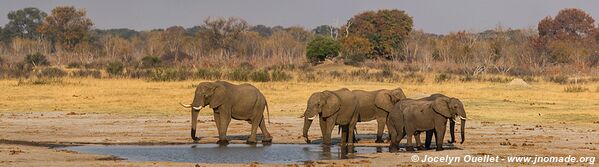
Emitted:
<point x="410" y="117"/>
<point x="240" y="102"/>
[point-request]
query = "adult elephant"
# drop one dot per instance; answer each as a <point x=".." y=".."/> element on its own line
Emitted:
<point x="333" y="108"/>
<point x="431" y="133"/>
<point x="240" y="102"/>
<point x="377" y="105"/>
<point x="411" y="116"/>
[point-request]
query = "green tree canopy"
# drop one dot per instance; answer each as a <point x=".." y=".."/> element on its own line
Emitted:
<point x="24" y="23"/>
<point x="385" y="29"/>
<point x="66" y="26"/>
<point x="322" y="47"/>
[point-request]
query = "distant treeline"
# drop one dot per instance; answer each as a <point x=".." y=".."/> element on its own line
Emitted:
<point x="565" y="44"/>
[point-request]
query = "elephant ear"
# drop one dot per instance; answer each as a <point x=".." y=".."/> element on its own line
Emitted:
<point x="441" y="106"/>
<point x="217" y="96"/>
<point x="331" y="104"/>
<point x="383" y="100"/>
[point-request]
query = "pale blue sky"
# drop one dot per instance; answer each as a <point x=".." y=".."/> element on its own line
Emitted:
<point x="436" y="16"/>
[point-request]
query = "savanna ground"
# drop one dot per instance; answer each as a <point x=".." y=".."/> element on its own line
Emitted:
<point x="504" y="119"/>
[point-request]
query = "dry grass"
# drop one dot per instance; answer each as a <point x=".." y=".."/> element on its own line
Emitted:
<point x="485" y="101"/>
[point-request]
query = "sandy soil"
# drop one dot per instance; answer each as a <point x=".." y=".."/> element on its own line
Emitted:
<point x="28" y="139"/>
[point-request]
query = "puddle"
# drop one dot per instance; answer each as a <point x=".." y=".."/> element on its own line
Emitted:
<point x="232" y="153"/>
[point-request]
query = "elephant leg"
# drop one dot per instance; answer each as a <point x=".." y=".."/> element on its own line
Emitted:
<point x="344" y="135"/>
<point x="440" y="134"/>
<point x="409" y="146"/>
<point x="429" y="138"/>
<point x="255" y="123"/>
<point x="330" y="124"/>
<point x="267" y="138"/>
<point x="217" y="121"/>
<point x="381" y="122"/>
<point x="418" y="142"/>
<point x="351" y="128"/>
<point x="393" y="146"/>
<point x="323" y="127"/>
<point x="224" y="121"/>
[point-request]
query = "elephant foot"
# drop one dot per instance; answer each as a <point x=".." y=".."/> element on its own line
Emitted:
<point x="439" y="149"/>
<point x="379" y="141"/>
<point x="250" y="142"/>
<point x="427" y="148"/>
<point x="420" y="148"/>
<point x="222" y="142"/>
<point x="393" y="148"/>
<point x="195" y="139"/>
<point x="410" y="149"/>
<point x="267" y="140"/>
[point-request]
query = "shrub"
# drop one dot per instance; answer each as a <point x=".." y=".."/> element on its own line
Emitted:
<point x="467" y="78"/>
<point x="322" y="47"/>
<point x="74" y="65"/>
<point x="413" y="77"/>
<point x="172" y="58"/>
<point x="498" y="79"/>
<point x="114" y="68"/>
<point x="575" y="89"/>
<point x="52" y="72"/>
<point x="239" y="74"/>
<point x="259" y="76"/>
<point x="560" y="79"/>
<point x="1" y="60"/>
<point x="18" y="70"/>
<point x="307" y="77"/>
<point x="208" y="74"/>
<point x="36" y="59"/>
<point x="279" y="75"/>
<point x="440" y="78"/>
<point x="40" y="81"/>
<point x="139" y="73"/>
<point x="169" y="74"/>
<point x="150" y="62"/>
<point x="87" y="73"/>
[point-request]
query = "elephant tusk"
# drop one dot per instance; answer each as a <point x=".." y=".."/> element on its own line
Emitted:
<point x="312" y="118"/>
<point x="462" y="118"/>
<point x="185" y="105"/>
<point x="197" y="108"/>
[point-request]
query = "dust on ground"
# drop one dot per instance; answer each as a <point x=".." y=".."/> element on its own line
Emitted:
<point x="27" y="139"/>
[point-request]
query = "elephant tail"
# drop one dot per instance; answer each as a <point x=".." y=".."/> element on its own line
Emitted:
<point x="267" y="111"/>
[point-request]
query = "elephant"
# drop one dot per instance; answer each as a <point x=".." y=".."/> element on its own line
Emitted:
<point x="240" y="102"/>
<point x="410" y="117"/>
<point x="376" y="105"/>
<point x="430" y="133"/>
<point x="333" y="108"/>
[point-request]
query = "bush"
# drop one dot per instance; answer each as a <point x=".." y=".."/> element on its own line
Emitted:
<point x="1" y="60"/>
<point x="560" y="79"/>
<point x="74" y="65"/>
<point x="307" y="77"/>
<point x="259" y="76"/>
<point x="17" y="70"/>
<point x="279" y="75"/>
<point x="87" y="73"/>
<point x="322" y="47"/>
<point x="150" y="62"/>
<point x="169" y="74"/>
<point x="440" y="78"/>
<point x="413" y="77"/>
<point x="115" y="68"/>
<point x="40" y="81"/>
<point x="36" y="59"/>
<point x="239" y="74"/>
<point x="208" y="74"/>
<point x="575" y="89"/>
<point x="52" y="72"/>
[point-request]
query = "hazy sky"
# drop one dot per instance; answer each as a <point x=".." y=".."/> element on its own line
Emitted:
<point x="436" y="16"/>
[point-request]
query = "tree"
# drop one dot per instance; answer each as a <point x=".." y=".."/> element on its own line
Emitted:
<point x="263" y="30"/>
<point x="385" y="29"/>
<point x="355" y="49"/>
<point x="24" y="23"/>
<point x="326" y="30"/>
<point x="222" y="34"/>
<point x="569" y="23"/>
<point x="322" y="47"/>
<point x="66" y="26"/>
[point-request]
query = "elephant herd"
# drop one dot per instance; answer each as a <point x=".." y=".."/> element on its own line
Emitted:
<point x="345" y="108"/>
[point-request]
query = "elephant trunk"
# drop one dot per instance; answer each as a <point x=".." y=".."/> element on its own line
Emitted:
<point x="452" y="130"/>
<point x="194" y="122"/>
<point x="307" y="124"/>
<point x="462" y="128"/>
